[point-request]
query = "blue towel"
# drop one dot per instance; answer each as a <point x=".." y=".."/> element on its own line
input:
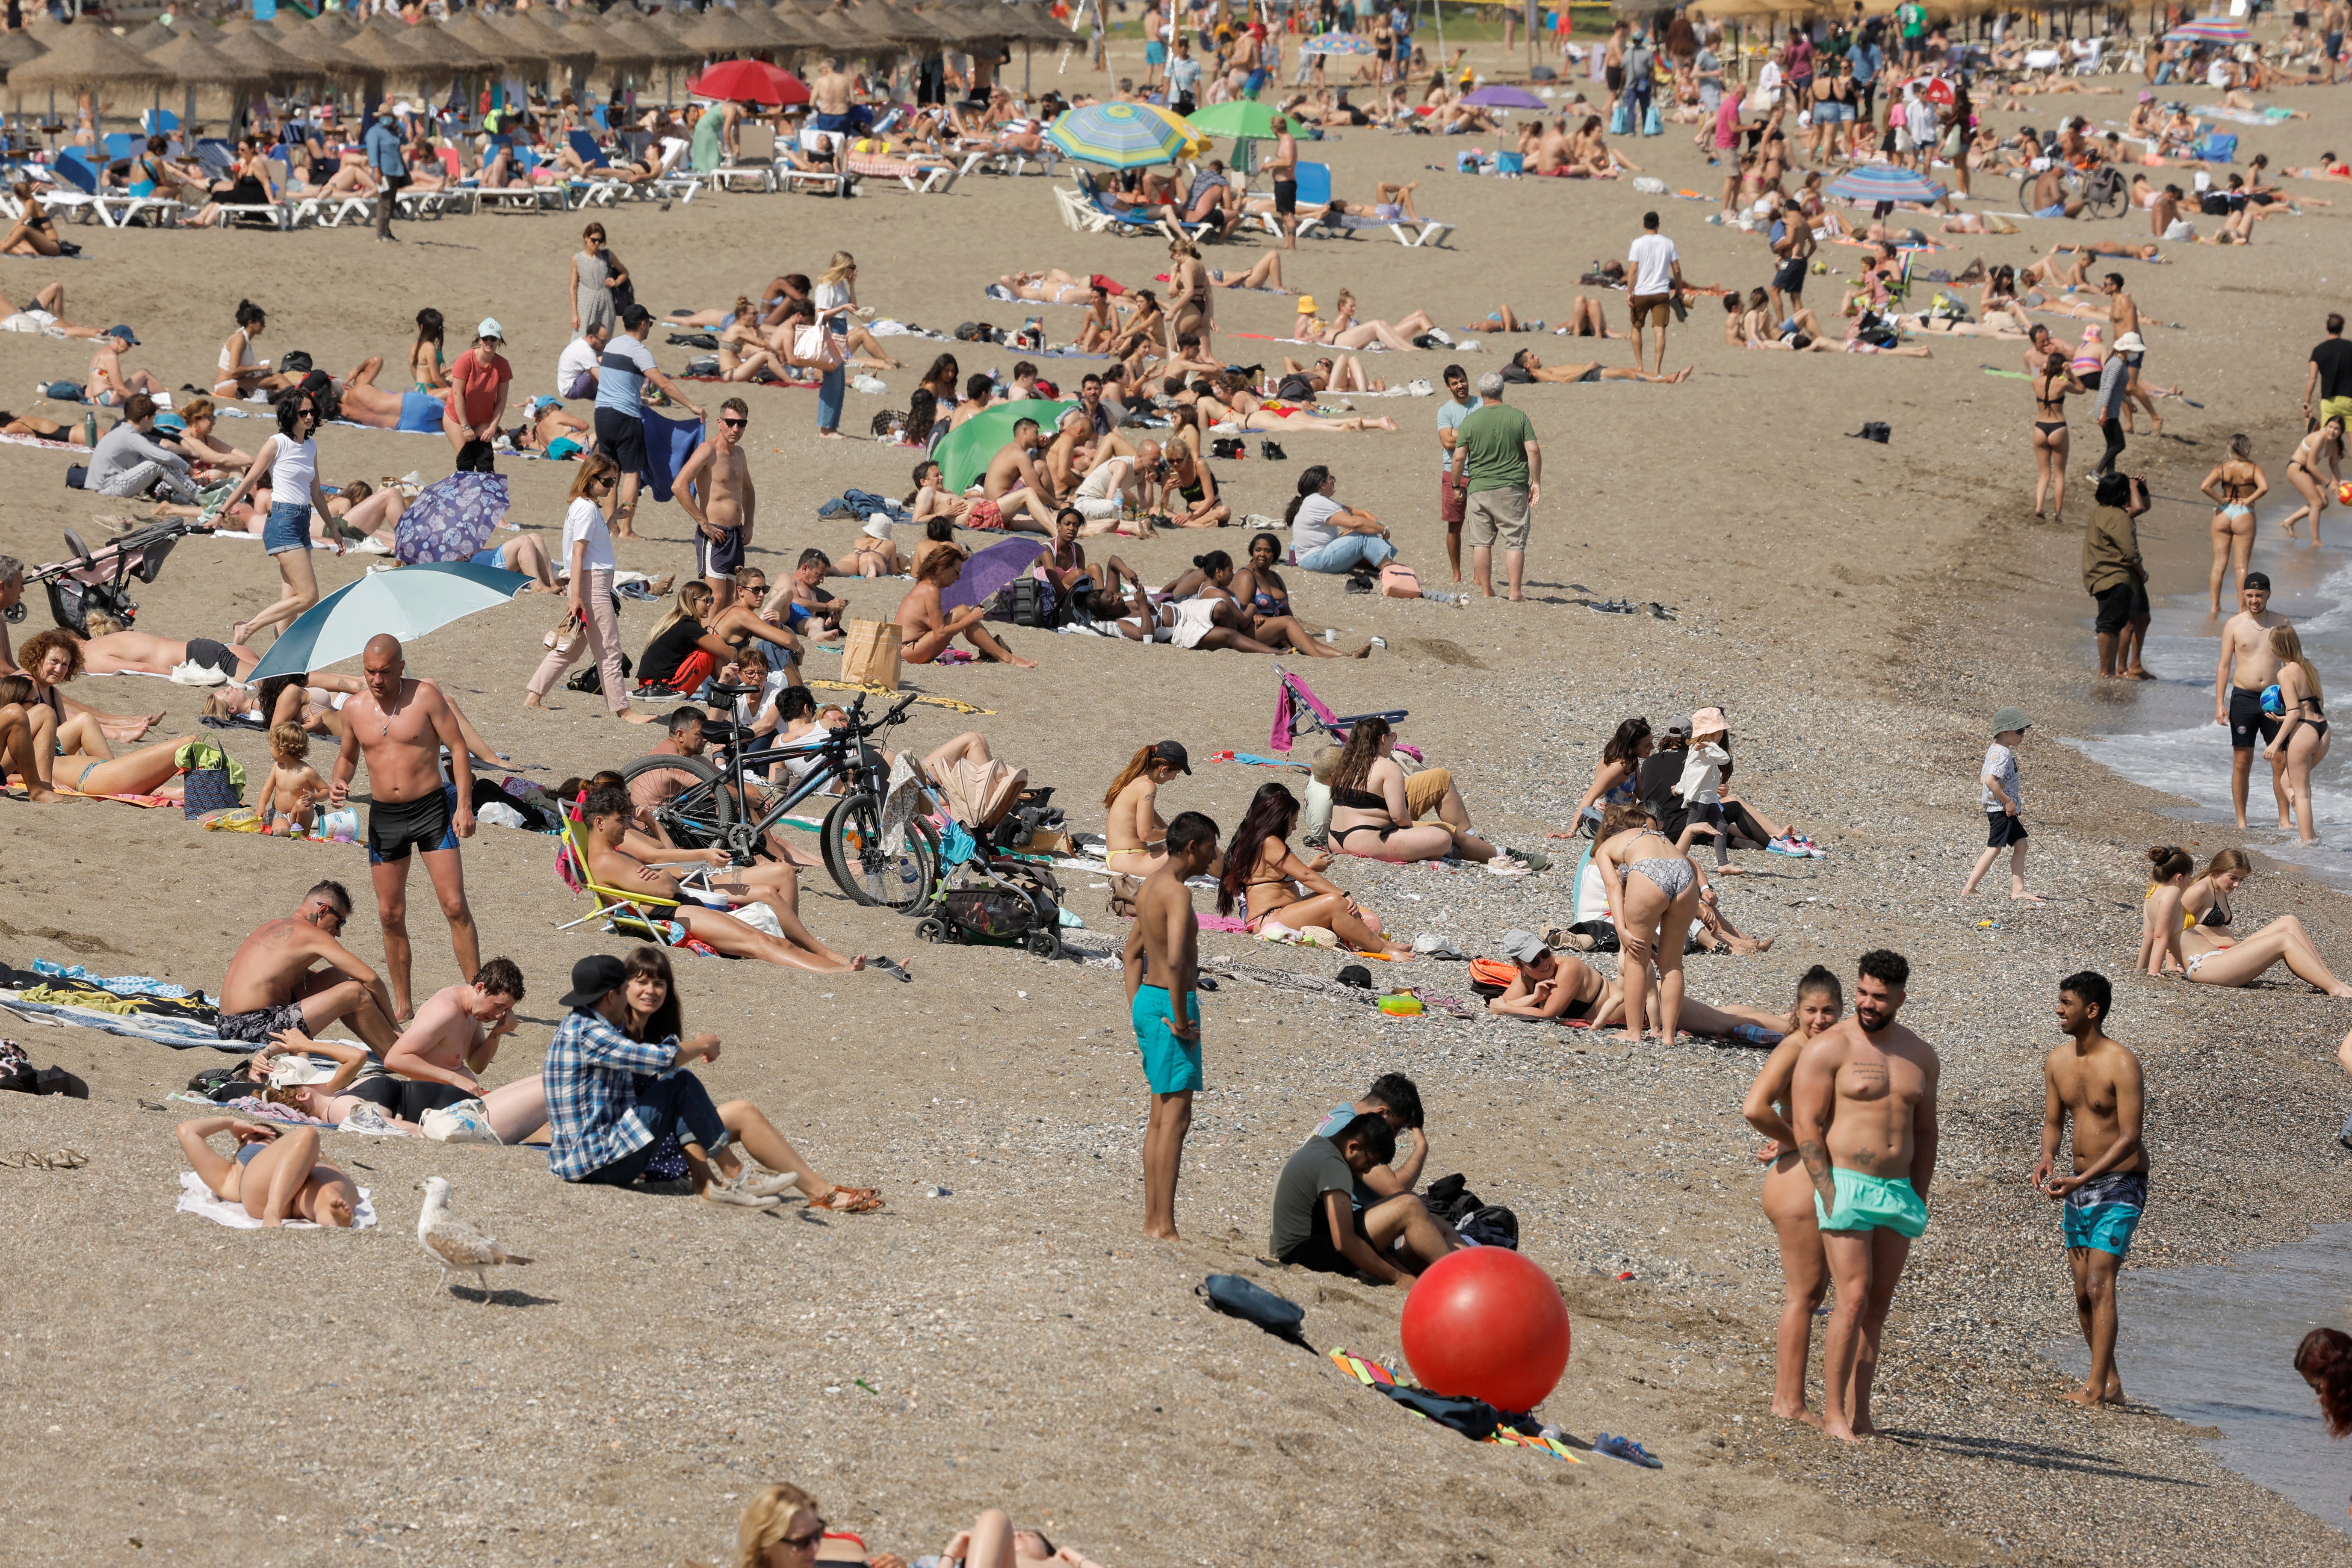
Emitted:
<point x="119" y="984"/>
<point x="668" y="444"/>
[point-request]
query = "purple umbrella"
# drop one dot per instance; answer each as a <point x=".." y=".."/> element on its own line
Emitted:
<point x="451" y="518"/>
<point x="1500" y="97"/>
<point x="991" y="569"/>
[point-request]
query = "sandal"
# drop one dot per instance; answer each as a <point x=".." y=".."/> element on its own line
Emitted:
<point x="890" y="967"/>
<point x="851" y="1200"/>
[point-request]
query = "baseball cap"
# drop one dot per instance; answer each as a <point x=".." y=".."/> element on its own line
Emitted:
<point x="2010" y="719"/>
<point x="1174" y="752"/>
<point x="1524" y="947"/>
<point x="593" y="978"/>
<point x="490" y="329"/>
<point x="634" y="315"/>
<point x="125" y="333"/>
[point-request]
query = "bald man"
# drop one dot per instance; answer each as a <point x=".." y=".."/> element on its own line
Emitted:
<point x="400" y="724"/>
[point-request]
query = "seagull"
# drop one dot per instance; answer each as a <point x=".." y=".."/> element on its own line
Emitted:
<point x="457" y="1244"/>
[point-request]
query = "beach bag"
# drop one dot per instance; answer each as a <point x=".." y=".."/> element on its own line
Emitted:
<point x="1619" y="120"/>
<point x="1025" y="602"/>
<point x="1490" y="978"/>
<point x="1651" y="124"/>
<point x="466" y="1121"/>
<point x="869" y="655"/>
<point x="208" y="789"/>
<point x="1123" y="891"/>
<point x="1254" y="1303"/>
<point x="1399" y="580"/>
<point x="815" y="346"/>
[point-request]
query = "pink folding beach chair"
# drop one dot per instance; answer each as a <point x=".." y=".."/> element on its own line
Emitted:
<point x="1297" y="709"/>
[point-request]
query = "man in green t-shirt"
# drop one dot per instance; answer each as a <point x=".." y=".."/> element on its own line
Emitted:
<point x="1318" y="1224"/>
<point x="1911" y="20"/>
<point x="1496" y="456"/>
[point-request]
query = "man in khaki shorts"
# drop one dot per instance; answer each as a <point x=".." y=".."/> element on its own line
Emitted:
<point x="1498" y="462"/>
<point x="1654" y="273"/>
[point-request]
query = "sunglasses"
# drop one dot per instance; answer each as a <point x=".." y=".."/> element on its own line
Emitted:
<point x="733" y="424"/>
<point x="803" y="1543"/>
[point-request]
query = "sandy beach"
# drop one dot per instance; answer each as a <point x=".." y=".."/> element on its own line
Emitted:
<point x="176" y="1389"/>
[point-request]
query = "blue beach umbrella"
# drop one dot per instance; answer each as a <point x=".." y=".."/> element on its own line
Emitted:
<point x="1884" y="183"/>
<point x="1118" y="136"/>
<point x="407" y="602"/>
<point x="1336" y="44"/>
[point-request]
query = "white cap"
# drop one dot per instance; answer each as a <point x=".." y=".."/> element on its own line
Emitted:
<point x="490" y="329"/>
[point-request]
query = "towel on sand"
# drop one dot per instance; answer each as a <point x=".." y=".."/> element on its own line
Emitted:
<point x="198" y="1198"/>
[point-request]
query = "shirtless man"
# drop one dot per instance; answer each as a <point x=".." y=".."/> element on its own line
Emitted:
<point x="714" y="488"/>
<point x="2123" y="320"/>
<point x="400" y="724"/>
<point x="2247" y="665"/>
<point x="2097" y="1081"/>
<point x="2050" y="197"/>
<point x="1023" y="496"/>
<point x="1187" y="479"/>
<point x="607" y="812"/>
<point x="926" y="628"/>
<point x="1864" y="1104"/>
<point x="455" y="1034"/>
<point x="1162" y="962"/>
<point x="827" y="129"/>
<point x="1552" y="150"/>
<point x="275" y="984"/>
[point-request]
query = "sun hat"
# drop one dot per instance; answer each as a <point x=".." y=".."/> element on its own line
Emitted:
<point x="2010" y="719"/>
<point x="1708" y="721"/>
<point x="294" y="1070"/>
<point x="2131" y="344"/>
<point x="2146" y="97"/>
<point x="593" y="978"/>
<point x="490" y="329"/>
<point x="1306" y="304"/>
<point x="1524" y="947"/>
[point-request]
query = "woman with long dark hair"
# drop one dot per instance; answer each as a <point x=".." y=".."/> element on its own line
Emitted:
<point x="1327" y="536"/>
<point x="1281" y="894"/>
<point x="1372" y="813"/>
<point x="1612" y="781"/>
<point x="288" y="463"/>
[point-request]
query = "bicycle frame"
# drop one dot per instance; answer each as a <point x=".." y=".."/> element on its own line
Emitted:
<point x="834" y="762"/>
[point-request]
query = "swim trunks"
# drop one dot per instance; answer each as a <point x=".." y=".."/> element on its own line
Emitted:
<point x="2103" y="1212"/>
<point x="2001" y="830"/>
<point x="622" y="438"/>
<point x="1286" y="197"/>
<point x="1450" y="499"/>
<point x="408" y="1098"/>
<point x="1790" y="278"/>
<point x="2119" y="606"/>
<point x="255" y="1027"/>
<point x="2055" y="209"/>
<point x="420" y="413"/>
<point x="398" y="829"/>
<point x="1318" y="1251"/>
<point x="492" y="557"/>
<point x="984" y="513"/>
<point x="1873" y="1203"/>
<point x="2247" y="720"/>
<point x="1171" y="1066"/>
<point x="721" y="558"/>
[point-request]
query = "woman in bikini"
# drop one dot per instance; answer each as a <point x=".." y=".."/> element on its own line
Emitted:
<point x="1265" y="604"/>
<point x="1279" y="893"/>
<point x="1653" y="889"/>
<point x="1140" y="337"/>
<point x="2170" y="944"/>
<point x="1192" y="302"/>
<point x="2322" y="446"/>
<point x="1135" y="838"/>
<point x="1245" y="412"/>
<point x="2302" y="743"/>
<point x="2052" y="440"/>
<point x="2233" y="487"/>
<point x="70" y="748"/>
<point x="1099" y="328"/>
<point x="1051" y="287"/>
<point x="744" y="351"/>
<point x="241" y="374"/>
<point x="427" y="368"/>
<point x="1371" y="815"/>
<point x="276" y="1175"/>
<point x="2206" y="901"/>
<point x="1789" y="1191"/>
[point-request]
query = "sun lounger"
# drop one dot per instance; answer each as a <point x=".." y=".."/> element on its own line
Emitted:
<point x="923" y="179"/>
<point x="1084" y="210"/>
<point x="112" y="210"/>
<point x="632" y="913"/>
<point x="333" y="212"/>
<point x="595" y="189"/>
<point x="753" y="166"/>
<point x="672" y="182"/>
<point x="1410" y="232"/>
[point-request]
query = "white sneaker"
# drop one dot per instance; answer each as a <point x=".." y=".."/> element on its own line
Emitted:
<point x="736" y="1197"/>
<point x="765" y="1184"/>
<point x="1419" y="387"/>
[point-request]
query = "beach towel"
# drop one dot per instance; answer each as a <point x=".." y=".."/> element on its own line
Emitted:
<point x="668" y="444"/>
<point x="1474" y="1418"/>
<point x="198" y="1198"/>
<point x="181" y="1033"/>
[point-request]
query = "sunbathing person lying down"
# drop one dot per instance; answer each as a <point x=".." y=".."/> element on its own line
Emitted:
<point x="277" y="1173"/>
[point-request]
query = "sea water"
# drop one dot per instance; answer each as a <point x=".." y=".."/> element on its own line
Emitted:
<point x="2168" y="740"/>
<point x="2215" y="1347"/>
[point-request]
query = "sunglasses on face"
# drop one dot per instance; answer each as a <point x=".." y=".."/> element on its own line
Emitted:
<point x="732" y="424"/>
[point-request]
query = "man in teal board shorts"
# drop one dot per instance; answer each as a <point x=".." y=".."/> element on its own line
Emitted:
<point x="1163" y="960"/>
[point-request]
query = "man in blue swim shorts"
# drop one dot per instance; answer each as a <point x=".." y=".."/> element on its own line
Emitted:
<point x="2097" y="1083"/>
<point x="1162" y="962"/>
<point x="1865" y="1112"/>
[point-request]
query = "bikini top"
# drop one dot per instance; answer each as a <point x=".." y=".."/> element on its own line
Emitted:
<point x="2044" y="386"/>
<point x="1359" y="800"/>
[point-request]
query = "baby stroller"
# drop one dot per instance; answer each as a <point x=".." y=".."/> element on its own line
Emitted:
<point x="991" y="896"/>
<point x="97" y="580"/>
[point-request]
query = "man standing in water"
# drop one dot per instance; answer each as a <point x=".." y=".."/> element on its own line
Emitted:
<point x="2097" y="1081"/>
<point x="2247" y="665"/>
<point x="1864" y="1110"/>
<point x="401" y="725"/>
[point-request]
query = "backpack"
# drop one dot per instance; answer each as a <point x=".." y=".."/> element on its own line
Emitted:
<point x="1252" y="1302"/>
<point x="1449" y="1198"/>
<point x="1490" y="978"/>
<point x="1026" y="602"/>
<point x="1493" y="1226"/>
<point x="591" y="680"/>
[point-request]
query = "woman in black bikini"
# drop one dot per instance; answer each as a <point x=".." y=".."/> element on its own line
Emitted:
<point x="2050" y="440"/>
<point x="2325" y="445"/>
<point x="1370" y="816"/>
<point x="1265" y="604"/>
<point x="1266" y="877"/>
<point x="35" y="233"/>
<point x="2206" y="901"/>
<point x="2301" y="743"/>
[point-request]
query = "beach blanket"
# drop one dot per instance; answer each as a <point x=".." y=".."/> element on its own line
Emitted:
<point x="121" y="984"/>
<point x="179" y="1033"/>
<point x="951" y="704"/>
<point x="668" y="444"/>
<point x="198" y="1198"/>
<point x="1469" y="1417"/>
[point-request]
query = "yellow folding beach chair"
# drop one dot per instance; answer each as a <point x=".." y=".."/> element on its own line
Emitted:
<point x="632" y="914"/>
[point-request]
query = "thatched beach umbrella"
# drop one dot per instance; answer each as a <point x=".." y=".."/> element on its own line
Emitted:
<point x="382" y="55"/>
<point x="611" y="49"/>
<point x="662" y="45"/>
<point x="85" y="57"/>
<point x="725" y="33"/>
<point x="151" y="37"/>
<point x="195" y="62"/>
<point x="336" y="25"/>
<point x="324" y="55"/>
<point x="515" y="55"/>
<point x="835" y="33"/>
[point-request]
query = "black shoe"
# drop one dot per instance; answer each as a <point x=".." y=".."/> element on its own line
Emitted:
<point x="1272" y="453"/>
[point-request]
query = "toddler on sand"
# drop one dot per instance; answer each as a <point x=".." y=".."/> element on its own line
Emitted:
<point x="294" y="787"/>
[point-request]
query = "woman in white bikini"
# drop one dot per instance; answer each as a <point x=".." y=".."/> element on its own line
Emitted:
<point x="1279" y="893"/>
<point x="2171" y="941"/>
<point x="2233" y="487"/>
<point x="1135" y="838"/>
<point x="240" y="373"/>
<point x="2322" y="446"/>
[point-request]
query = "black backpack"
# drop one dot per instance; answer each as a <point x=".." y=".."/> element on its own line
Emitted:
<point x="1252" y="1302"/>
<point x="1026" y="602"/>
<point x="590" y="680"/>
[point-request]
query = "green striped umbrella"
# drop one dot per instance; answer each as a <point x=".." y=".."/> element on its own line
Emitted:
<point x="1239" y="118"/>
<point x="964" y="455"/>
<point x="1116" y="136"/>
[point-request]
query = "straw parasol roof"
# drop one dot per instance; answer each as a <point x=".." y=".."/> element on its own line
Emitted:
<point x="877" y="28"/>
<point x="832" y="29"/>
<point x="321" y="54"/>
<point x="378" y="53"/>
<point x="193" y="62"/>
<point x="153" y="35"/>
<point x="788" y="27"/>
<point x="517" y="54"/>
<point x="334" y="24"/>
<point x="722" y="32"/>
<point x="612" y="49"/>
<point x="535" y="32"/>
<point x="19" y="46"/>
<point x="442" y="52"/>
<point x="86" y="57"/>
<point x="912" y="24"/>
<point x="657" y="45"/>
<point x="971" y="23"/>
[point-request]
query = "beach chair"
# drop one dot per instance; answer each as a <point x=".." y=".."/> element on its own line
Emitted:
<point x="923" y="179"/>
<point x="593" y="192"/>
<point x="333" y="212"/>
<point x="1410" y="232"/>
<point x="76" y="189"/>
<point x="1083" y="209"/>
<point x="1296" y="710"/>
<point x="640" y="911"/>
<point x="753" y="166"/>
<point x="674" y="182"/>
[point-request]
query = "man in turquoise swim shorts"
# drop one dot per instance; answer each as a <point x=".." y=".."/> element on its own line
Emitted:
<point x="1163" y="961"/>
<point x="2097" y="1083"/>
<point x="1865" y="1112"/>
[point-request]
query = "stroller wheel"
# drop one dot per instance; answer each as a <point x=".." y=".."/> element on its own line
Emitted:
<point x="930" y="928"/>
<point x="1044" y="943"/>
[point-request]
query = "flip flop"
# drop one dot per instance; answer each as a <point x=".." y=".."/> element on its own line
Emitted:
<point x="890" y="967"/>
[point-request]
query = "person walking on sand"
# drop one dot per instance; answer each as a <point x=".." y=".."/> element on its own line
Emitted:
<point x="2116" y="578"/>
<point x="590" y="621"/>
<point x="288" y="463"/>
<point x="2004" y="802"/>
<point x="621" y="372"/>
<point x="1863" y="1109"/>
<point x="387" y="161"/>
<point x="1162" y="962"/>
<point x="1452" y="499"/>
<point x="1499" y="465"/>
<point x="2247" y="667"/>
<point x="479" y="379"/>
<point x="1284" y="167"/>
<point x="1655" y="269"/>
<point x="713" y="487"/>
<point x="2097" y="1081"/>
<point x="1789" y="1191"/>
<point x="400" y="725"/>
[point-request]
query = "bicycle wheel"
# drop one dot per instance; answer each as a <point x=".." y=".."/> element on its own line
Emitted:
<point x="708" y="814"/>
<point x="2104" y="199"/>
<point x="852" y="842"/>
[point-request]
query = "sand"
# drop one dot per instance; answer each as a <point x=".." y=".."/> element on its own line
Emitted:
<point x="214" y="1396"/>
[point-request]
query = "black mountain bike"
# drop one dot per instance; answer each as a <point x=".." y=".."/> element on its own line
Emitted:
<point x="713" y="802"/>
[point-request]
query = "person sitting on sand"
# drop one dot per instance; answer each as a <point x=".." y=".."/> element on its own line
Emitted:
<point x="707" y="916"/>
<point x="277" y="1174"/>
<point x="293" y="788"/>
<point x="77" y="755"/>
<point x="1281" y="895"/>
<point x="1134" y="836"/>
<point x="1324" y="1220"/>
<point x="926" y="629"/>
<point x="1265" y="599"/>
<point x="274" y="982"/>
<point x="2173" y="941"/>
<point x="617" y="1085"/>
<point x="1373" y="813"/>
<point x="440" y="1056"/>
